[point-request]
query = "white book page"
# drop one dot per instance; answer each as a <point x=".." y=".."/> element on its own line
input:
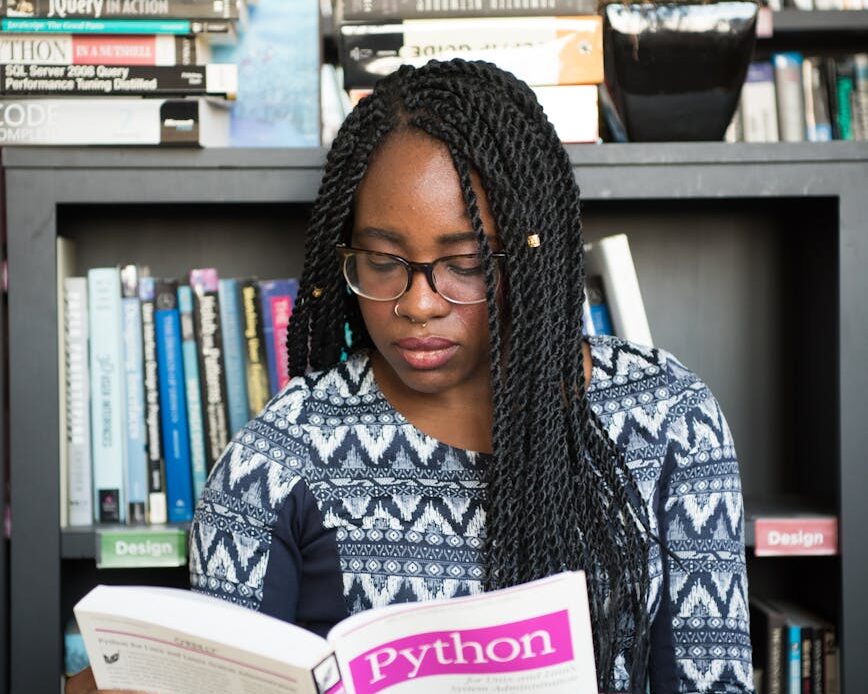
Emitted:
<point x="180" y="642"/>
<point x="533" y="637"/>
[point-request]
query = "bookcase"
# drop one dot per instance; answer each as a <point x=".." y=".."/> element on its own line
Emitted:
<point x="751" y="260"/>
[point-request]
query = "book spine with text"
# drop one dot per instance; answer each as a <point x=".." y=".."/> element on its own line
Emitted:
<point x="129" y="9"/>
<point x="539" y="50"/>
<point x="277" y="297"/>
<point x="173" y="403"/>
<point x="118" y="80"/>
<point x="790" y="96"/>
<point x="156" y="464"/>
<point x="256" y="360"/>
<point x="136" y="477"/>
<point x="183" y="27"/>
<point x="759" y="110"/>
<point x="80" y="486"/>
<point x="233" y="354"/>
<point x="113" y="121"/>
<point x="192" y="387"/>
<point x="81" y="49"/>
<point x="375" y="10"/>
<point x="206" y="318"/>
<point x="108" y="433"/>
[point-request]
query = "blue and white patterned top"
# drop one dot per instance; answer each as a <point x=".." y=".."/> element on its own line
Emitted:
<point x="331" y="502"/>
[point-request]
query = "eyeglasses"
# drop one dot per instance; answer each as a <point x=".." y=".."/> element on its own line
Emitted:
<point x="459" y="279"/>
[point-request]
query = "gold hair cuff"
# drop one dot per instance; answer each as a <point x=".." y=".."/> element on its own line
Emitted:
<point x="533" y="241"/>
<point x="317" y="292"/>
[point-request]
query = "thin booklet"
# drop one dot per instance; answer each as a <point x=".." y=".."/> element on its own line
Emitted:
<point x="531" y="637"/>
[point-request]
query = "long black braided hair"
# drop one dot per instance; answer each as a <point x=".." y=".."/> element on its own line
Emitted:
<point x="559" y="494"/>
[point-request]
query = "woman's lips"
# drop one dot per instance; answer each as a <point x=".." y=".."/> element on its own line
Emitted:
<point x="426" y="352"/>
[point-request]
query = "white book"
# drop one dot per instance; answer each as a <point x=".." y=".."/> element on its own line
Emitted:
<point x="759" y="110"/>
<point x="610" y="257"/>
<point x="108" y="426"/>
<point x="790" y="95"/>
<point x="77" y="395"/>
<point x="532" y="637"/>
<point x="113" y="121"/>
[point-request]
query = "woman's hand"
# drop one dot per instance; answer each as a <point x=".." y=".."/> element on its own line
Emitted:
<point x="84" y="683"/>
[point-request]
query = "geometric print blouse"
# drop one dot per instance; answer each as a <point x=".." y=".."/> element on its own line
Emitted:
<point x="330" y="502"/>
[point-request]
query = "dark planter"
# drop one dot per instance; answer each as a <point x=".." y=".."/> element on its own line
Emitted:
<point x="675" y="71"/>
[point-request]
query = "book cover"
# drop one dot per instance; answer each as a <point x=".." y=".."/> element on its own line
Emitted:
<point x="136" y="471"/>
<point x="192" y="388"/>
<point x="598" y="309"/>
<point x="611" y="259"/>
<point x="759" y="108"/>
<point x="107" y="397"/>
<point x="277" y="297"/>
<point x="173" y="405"/>
<point x="538" y="50"/>
<point x="256" y="360"/>
<point x="83" y="49"/>
<point x="130" y="9"/>
<point x="209" y="338"/>
<point x="531" y="637"/>
<point x="113" y="121"/>
<point x="376" y="10"/>
<point x="79" y="483"/>
<point x="790" y="96"/>
<point x="157" y="512"/>
<point x="231" y="321"/>
<point x="278" y="58"/>
<point x="118" y="80"/>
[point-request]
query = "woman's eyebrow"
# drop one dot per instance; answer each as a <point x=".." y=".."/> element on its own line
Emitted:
<point x="383" y="234"/>
<point x="456" y="237"/>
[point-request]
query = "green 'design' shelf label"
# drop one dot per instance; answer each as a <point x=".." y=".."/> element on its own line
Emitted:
<point x="128" y="549"/>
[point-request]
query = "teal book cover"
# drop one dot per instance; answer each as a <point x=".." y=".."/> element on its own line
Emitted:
<point x="278" y="57"/>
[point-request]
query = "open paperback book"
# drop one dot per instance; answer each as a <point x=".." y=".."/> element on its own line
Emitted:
<point x="532" y="637"/>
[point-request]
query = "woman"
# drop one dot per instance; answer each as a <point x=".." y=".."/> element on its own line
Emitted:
<point x="472" y="439"/>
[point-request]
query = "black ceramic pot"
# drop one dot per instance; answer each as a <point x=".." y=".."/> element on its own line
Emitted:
<point x="675" y="71"/>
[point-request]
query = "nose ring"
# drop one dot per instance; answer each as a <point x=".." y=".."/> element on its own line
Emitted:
<point x="421" y="324"/>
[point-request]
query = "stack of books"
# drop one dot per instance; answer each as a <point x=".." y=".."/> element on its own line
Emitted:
<point x="555" y="46"/>
<point x="158" y="375"/>
<point x="794" y="98"/>
<point x="76" y="72"/>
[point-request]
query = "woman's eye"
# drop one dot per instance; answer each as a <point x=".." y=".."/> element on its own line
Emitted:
<point x="382" y="264"/>
<point x="465" y="268"/>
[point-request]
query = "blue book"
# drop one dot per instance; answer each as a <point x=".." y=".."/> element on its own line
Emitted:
<point x="192" y="386"/>
<point x="136" y="479"/>
<point x="173" y="406"/>
<point x="234" y="345"/>
<point x="598" y="307"/>
<point x="278" y="55"/>
<point x="108" y="432"/>
<point x="277" y="298"/>
<point x="794" y="660"/>
<point x="98" y="26"/>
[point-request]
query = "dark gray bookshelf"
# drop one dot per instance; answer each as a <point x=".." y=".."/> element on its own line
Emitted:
<point x="751" y="260"/>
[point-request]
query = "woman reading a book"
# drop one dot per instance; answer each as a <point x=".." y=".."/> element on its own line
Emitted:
<point x="448" y="429"/>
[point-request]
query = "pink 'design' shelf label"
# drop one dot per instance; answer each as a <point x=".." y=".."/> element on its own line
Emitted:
<point x="777" y="537"/>
<point x="528" y="644"/>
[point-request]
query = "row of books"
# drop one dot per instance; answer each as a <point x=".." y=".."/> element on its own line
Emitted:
<point x="794" y="650"/>
<point x="777" y="5"/>
<point x="218" y="72"/>
<point x="793" y="98"/>
<point x="556" y="46"/>
<point x="158" y="376"/>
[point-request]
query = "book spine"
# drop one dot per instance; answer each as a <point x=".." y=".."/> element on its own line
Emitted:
<point x="817" y="662"/>
<point x="136" y="478"/>
<point x="860" y="96"/>
<point x="112" y="121"/>
<point x="807" y="659"/>
<point x="844" y="100"/>
<point x="276" y="298"/>
<point x="156" y="464"/>
<point x="77" y="402"/>
<point x="258" y="389"/>
<point x="182" y="27"/>
<point x="233" y="353"/>
<point x="597" y="306"/>
<point x="375" y="10"/>
<point x="71" y="49"/>
<point x="173" y="406"/>
<point x="759" y="104"/>
<point x="206" y="317"/>
<point x="794" y="660"/>
<point x="831" y="684"/>
<point x="198" y="464"/>
<point x="108" y="436"/>
<point x="529" y="47"/>
<point x="790" y="96"/>
<point x="129" y="9"/>
<point x="775" y="670"/>
<point x="118" y="80"/>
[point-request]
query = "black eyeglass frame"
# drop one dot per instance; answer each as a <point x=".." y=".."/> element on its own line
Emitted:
<point x="427" y="269"/>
